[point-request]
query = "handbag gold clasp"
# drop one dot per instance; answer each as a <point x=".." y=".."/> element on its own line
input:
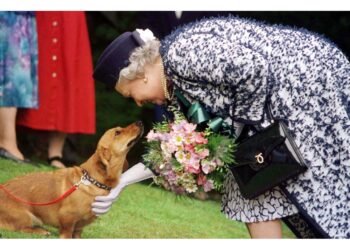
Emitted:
<point x="259" y="158"/>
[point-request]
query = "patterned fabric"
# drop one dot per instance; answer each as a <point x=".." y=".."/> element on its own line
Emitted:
<point x="305" y="79"/>
<point x="268" y="206"/>
<point x="18" y="60"/>
<point x="66" y="86"/>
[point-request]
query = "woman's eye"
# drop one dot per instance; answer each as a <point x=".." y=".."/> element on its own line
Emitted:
<point x="117" y="133"/>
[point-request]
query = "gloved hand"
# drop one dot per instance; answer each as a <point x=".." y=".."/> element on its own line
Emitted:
<point x="136" y="173"/>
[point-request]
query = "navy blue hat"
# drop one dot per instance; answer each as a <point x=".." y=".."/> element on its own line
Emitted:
<point x="116" y="56"/>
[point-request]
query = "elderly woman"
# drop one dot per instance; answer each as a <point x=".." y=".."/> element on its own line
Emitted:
<point x="303" y="79"/>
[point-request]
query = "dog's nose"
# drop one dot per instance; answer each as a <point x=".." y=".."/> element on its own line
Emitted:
<point x="139" y="123"/>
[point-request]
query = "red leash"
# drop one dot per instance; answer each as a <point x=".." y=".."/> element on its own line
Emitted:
<point x="58" y="199"/>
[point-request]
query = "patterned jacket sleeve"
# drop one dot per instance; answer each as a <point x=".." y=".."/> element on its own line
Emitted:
<point x="206" y="58"/>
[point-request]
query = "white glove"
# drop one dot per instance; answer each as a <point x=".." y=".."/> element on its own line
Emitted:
<point x="136" y="173"/>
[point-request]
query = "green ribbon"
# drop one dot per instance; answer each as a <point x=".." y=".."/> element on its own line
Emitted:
<point x="216" y="124"/>
<point x="195" y="113"/>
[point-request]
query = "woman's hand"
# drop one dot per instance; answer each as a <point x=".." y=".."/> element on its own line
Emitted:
<point x="134" y="174"/>
<point x="103" y="203"/>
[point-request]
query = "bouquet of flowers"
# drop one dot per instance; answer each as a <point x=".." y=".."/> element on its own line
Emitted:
<point x="188" y="160"/>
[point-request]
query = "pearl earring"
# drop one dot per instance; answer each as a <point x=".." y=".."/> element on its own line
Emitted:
<point x="145" y="80"/>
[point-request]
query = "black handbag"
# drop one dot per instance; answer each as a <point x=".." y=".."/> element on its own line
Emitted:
<point x="266" y="159"/>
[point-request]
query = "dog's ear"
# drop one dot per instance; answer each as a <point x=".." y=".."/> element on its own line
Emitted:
<point x="104" y="154"/>
<point x="126" y="165"/>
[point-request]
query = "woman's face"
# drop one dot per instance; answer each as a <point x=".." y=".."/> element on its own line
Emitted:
<point x="142" y="92"/>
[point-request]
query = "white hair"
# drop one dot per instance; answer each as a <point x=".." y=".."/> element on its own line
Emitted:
<point x="141" y="56"/>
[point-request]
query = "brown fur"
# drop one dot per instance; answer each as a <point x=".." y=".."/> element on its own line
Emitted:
<point x="74" y="212"/>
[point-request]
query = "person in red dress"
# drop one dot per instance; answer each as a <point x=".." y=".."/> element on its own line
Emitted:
<point x="66" y="86"/>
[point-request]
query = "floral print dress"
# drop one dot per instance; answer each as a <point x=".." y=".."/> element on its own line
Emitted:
<point x="18" y="60"/>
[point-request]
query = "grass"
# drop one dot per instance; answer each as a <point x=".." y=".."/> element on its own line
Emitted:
<point x="146" y="212"/>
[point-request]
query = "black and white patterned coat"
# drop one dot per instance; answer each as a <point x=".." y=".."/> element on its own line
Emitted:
<point x="306" y="81"/>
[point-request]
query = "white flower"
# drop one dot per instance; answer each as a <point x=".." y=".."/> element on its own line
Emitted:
<point x="191" y="188"/>
<point x="146" y="35"/>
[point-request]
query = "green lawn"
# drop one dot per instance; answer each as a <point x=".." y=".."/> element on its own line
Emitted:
<point x="144" y="211"/>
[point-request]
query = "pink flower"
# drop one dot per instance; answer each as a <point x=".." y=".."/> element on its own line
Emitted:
<point x="176" y="138"/>
<point x="171" y="147"/>
<point x="171" y="177"/>
<point x="164" y="136"/>
<point x="192" y="169"/>
<point x="180" y="156"/>
<point x="189" y="148"/>
<point x="208" y="166"/>
<point x="209" y="185"/>
<point x="179" y="127"/>
<point x="199" y="138"/>
<point x="188" y="140"/>
<point x="201" y="180"/>
<point x="192" y="159"/>
<point x="189" y="127"/>
<point x="203" y="153"/>
<point x="152" y="136"/>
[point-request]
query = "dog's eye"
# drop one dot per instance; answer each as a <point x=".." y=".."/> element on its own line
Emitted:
<point x="117" y="133"/>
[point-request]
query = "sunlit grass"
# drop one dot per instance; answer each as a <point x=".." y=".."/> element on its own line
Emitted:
<point x="144" y="211"/>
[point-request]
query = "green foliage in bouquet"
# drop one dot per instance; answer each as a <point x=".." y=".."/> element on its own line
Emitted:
<point x="220" y="146"/>
<point x="153" y="157"/>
